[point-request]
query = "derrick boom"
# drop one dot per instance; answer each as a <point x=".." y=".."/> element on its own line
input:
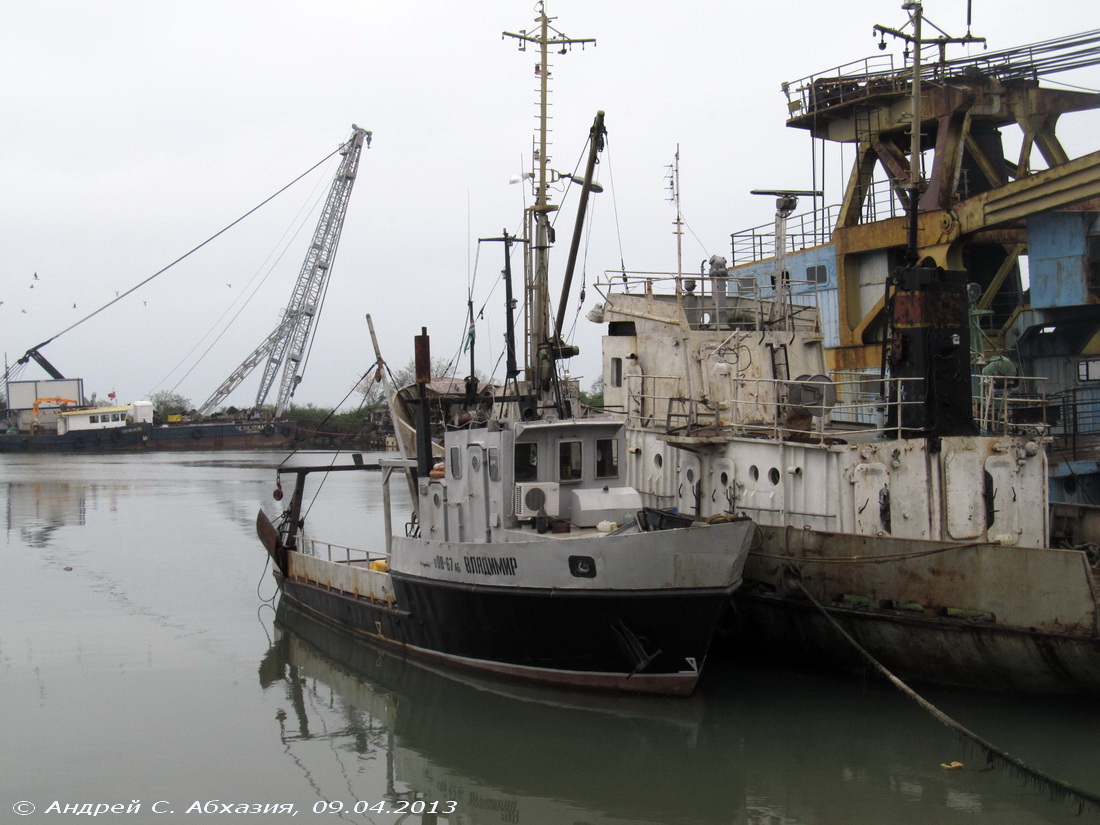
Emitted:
<point x="285" y="348"/>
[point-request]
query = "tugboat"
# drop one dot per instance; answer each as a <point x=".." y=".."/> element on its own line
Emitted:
<point x="529" y="555"/>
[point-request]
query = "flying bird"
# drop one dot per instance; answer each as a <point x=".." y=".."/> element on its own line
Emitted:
<point x="36" y="276"/>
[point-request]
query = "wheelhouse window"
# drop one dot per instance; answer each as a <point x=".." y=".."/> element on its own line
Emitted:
<point x="455" y="462"/>
<point x="569" y="461"/>
<point x="526" y="466"/>
<point x="494" y="463"/>
<point x="607" y="458"/>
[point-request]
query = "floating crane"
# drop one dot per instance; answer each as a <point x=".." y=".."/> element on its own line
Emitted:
<point x="286" y="346"/>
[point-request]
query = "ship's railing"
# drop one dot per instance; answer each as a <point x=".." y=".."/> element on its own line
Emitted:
<point x="804" y="230"/>
<point x="842" y="83"/>
<point x="845" y="409"/>
<point x="1005" y="405"/>
<point x="1076" y="421"/>
<point x="338" y="553"/>
<point x="720" y="301"/>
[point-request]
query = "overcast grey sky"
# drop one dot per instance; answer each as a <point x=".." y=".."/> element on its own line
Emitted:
<point x="133" y="131"/>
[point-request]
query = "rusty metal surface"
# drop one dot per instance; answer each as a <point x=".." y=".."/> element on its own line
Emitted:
<point x="979" y="615"/>
<point x="353" y="579"/>
<point x="269" y="537"/>
<point x="921" y="649"/>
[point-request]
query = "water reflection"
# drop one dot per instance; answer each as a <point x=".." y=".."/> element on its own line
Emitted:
<point x="504" y="754"/>
<point x="37" y="510"/>
<point x="755" y="746"/>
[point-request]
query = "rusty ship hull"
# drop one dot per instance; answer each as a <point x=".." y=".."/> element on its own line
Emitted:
<point x="979" y="616"/>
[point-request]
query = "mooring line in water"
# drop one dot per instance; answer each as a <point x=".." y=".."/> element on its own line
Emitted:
<point x="1056" y="787"/>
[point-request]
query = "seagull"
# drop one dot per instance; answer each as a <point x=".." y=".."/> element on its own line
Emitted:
<point x="32" y="286"/>
<point x="229" y="285"/>
<point x="36" y="276"/>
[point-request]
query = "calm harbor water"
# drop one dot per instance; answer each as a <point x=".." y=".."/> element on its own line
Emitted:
<point x="143" y="666"/>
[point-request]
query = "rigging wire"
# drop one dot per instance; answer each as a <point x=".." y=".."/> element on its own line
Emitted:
<point x="337" y="453"/>
<point x="316" y="196"/>
<point x="614" y="202"/>
<point x="185" y="255"/>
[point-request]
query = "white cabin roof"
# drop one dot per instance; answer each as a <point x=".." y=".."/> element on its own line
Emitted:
<point x="95" y="411"/>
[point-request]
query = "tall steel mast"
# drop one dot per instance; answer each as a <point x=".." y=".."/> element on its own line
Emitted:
<point x="286" y="346"/>
<point x="537" y="307"/>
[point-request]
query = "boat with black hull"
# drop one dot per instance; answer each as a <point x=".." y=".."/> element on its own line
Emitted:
<point x="528" y="579"/>
<point x="529" y="555"/>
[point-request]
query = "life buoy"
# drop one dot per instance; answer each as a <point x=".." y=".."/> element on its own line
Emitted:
<point x="196" y="433"/>
<point x="269" y="430"/>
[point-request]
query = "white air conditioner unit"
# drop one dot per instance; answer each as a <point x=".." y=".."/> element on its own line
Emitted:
<point x="531" y="499"/>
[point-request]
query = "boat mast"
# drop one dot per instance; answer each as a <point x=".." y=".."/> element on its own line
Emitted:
<point x="674" y="188"/>
<point x="537" y="296"/>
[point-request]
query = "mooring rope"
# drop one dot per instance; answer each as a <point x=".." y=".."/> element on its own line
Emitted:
<point x="1057" y="787"/>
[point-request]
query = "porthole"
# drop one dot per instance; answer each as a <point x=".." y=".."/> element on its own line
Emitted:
<point x="773" y="475"/>
<point x="725" y="478"/>
<point x="436" y="500"/>
<point x="475" y="462"/>
<point x="754" y="473"/>
<point x="690" y="475"/>
<point x="658" y="461"/>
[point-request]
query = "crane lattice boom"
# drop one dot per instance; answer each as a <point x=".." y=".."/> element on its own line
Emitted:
<point x="286" y="346"/>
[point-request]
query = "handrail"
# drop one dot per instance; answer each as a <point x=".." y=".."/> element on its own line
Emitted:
<point x="763" y="407"/>
<point x="309" y="546"/>
<point x="719" y="302"/>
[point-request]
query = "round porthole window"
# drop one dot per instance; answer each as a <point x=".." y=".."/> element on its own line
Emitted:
<point x="658" y="461"/>
<point x="475" y="462"/>
<point x="773" y="475"/>
<point x="754" y="473"/>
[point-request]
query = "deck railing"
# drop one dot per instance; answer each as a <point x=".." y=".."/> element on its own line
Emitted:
<point x="804" y="230"/>
<point x="848" y="409"/>
<point x="719" y="301"/>
<point x="338" y="553"/>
